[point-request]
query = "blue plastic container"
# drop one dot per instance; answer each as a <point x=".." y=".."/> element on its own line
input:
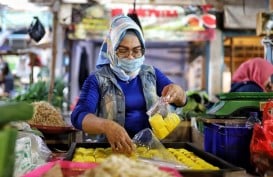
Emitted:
<point x="231" y="143"/>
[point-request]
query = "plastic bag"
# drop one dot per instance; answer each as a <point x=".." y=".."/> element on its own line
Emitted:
<point x="36" y="30"/>
<point x="261" y="148"/>
<point x="30" y="151"/>
<point x="162" y="119"/>
<point x="150" y="149"/>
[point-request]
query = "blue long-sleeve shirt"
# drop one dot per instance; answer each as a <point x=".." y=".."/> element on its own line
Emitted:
<point x="136" y="118"/>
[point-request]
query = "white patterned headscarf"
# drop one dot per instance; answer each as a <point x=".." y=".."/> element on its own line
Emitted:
<point x="119" y="26"/>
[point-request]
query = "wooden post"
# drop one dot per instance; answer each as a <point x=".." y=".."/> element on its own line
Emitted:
<point x="32" y="57"/>
<point x="54" y="55"/>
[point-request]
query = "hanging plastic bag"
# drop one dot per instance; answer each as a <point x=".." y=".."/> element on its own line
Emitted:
<point x="261" y="148"/>
<point x="162" y="119"/>
<point x="36" y="30"/>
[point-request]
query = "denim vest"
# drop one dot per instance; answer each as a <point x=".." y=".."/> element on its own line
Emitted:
<point x="112" y="101"/>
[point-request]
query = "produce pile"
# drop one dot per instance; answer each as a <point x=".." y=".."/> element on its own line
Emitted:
<point x="46" y="114"/>
<point x="39" y="90"/>
<point x="197" y="103"/>
<point x="185" y="157"/>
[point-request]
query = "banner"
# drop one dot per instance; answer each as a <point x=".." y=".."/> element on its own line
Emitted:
<point x="159" y="22"/>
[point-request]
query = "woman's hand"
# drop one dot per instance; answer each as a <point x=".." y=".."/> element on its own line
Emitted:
<point x="173" y="93"/>
<point x="118" y="138"/>
<point x="115" y="134"/>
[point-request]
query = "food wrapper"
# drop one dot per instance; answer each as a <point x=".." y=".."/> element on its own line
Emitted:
<point x="150" y="149"/>
<point x="162" y="118"/>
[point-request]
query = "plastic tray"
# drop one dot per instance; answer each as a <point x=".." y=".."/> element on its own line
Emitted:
<point x="53" y="129"/>
<point x="225" y="167"/>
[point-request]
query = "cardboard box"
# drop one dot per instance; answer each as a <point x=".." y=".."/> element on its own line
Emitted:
<point x="261" y="20"/>
<point x="182" y="133"/>
<point x="197" y="138"/>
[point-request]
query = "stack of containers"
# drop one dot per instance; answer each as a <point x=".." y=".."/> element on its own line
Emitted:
<point x="10" y="112"/>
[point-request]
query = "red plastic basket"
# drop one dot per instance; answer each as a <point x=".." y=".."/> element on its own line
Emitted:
<point x="69" y="168"/>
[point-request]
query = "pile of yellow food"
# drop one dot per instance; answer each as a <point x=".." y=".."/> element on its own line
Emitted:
<point x="120" y="165"/>
<point x="163" y="126"/>
<point x="189" y="159"/>
<point x="185" y="157"/>
<point x="46" y="114"/>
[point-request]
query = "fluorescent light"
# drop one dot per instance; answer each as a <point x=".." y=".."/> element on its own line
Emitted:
<point x="75" y="1"/>
<point x="22" y="5"/>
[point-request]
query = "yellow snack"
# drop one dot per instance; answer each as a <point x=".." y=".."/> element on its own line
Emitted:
<point x="89" y="158"/>
<point x="157" y="121"/>
<point x="100" y="159"/>
<point x="172" y="120"/>
<point x="161" y="133"/>
<point x="170" y="123"/>
<point x="141" y="149"/>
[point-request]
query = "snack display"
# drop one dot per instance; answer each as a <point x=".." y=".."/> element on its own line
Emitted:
<point x="185" y="157"/>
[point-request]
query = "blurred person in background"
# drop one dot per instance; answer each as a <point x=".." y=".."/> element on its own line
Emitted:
<point x="254" y="75"/>
<point x="7" y="79"/>
<point x="115" y="98"/>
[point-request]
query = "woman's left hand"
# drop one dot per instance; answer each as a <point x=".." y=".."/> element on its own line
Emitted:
<point x="175" y="94"/>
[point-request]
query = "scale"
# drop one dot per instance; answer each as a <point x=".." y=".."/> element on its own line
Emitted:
<point x="238" y="104"/>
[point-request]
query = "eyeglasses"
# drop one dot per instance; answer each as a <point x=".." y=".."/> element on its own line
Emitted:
<point x="125" y="52"/>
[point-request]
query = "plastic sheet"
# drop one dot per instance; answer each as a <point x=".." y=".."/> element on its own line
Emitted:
<point x="148" y="140"/>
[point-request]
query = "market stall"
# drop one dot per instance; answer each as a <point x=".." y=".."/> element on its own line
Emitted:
<point x="194" y="141"/>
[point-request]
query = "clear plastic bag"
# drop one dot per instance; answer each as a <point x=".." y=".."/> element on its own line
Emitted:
<point x="150" y="149"/>
<point x="252" y="119"/>
<point x="162" y="118"/>
<point x="159" y="107"/>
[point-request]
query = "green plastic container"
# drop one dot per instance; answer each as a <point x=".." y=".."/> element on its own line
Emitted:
<point x="7" y="148"/>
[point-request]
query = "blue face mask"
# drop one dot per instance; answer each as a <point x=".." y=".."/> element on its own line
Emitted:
<point x="129" y="65"/>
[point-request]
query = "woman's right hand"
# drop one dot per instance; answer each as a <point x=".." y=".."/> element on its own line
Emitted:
<point x="116" y="135"/>
<point x="118" y="138"/>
